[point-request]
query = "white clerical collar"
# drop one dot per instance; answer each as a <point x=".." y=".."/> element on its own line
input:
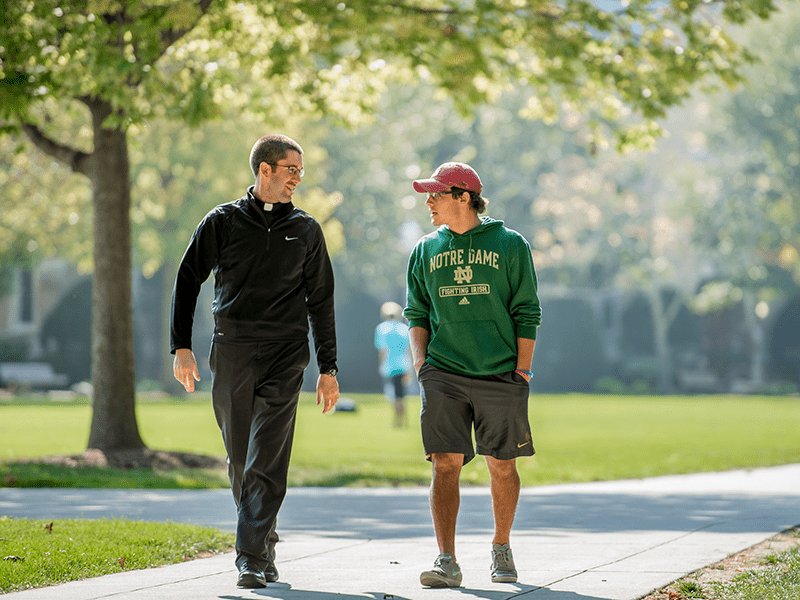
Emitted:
<point x="268" y="206"/>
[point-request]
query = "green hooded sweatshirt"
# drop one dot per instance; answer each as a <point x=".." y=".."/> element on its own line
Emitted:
<point x="476" y="294"/>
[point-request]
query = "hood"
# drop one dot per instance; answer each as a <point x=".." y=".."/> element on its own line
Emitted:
<point x="487" y="224"/>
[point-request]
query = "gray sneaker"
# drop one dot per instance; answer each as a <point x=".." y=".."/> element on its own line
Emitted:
<point x="503" y="569"/>
<point x="445" y="573"/>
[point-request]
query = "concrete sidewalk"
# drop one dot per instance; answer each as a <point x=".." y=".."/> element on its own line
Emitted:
<point x="607" y="540"/>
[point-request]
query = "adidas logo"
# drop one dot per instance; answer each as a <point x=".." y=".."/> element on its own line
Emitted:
<point x="464" y="301"/>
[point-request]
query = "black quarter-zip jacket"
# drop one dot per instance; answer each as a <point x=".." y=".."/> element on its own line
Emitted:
<point x="272" y="274"/>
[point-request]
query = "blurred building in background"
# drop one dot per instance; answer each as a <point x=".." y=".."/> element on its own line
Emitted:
<point x="590" y="340"/>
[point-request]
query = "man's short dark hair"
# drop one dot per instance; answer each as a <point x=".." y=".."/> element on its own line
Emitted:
<point x="270" y="149"/>
<point x="476" y="201"/>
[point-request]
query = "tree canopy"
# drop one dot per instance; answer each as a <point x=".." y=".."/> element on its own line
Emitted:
<point x="185" y="59"/>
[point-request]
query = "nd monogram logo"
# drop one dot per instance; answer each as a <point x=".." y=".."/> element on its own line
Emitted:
<point x="462" y="275"/>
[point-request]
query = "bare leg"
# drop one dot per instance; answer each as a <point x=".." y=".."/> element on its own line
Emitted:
<point x="505" y="496"/>
<point x="445" y="499"/>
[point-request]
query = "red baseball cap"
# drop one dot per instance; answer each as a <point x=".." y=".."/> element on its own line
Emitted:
<point x="449" y="175"/>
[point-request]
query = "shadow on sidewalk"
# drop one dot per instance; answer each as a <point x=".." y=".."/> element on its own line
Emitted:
<point x="387" y="516"/>
<point x="405" y="513"/>
<point x="286" y="592"/>
<point x="523" y="591"/>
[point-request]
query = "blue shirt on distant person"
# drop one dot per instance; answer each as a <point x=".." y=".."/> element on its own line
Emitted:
<point x="392" y="336"/>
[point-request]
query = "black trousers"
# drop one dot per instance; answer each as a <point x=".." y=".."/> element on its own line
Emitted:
<point x="255" y="389"/>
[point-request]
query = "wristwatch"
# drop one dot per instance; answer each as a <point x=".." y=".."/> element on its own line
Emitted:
<point x="332" y="372"/>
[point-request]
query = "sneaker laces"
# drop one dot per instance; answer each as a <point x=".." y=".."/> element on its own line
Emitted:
<point x="440" y="562"/>
<point x="503" y="560"/>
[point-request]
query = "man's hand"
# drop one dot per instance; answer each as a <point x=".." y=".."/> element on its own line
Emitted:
<point x="418" y="365"/>
<point x="184" y="366"/>
<point x="327" y="392"/>
<point x="524" y="374"/>
<point x="418" y="338"/>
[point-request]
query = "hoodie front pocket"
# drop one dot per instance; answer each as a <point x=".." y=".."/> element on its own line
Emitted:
<point x="477" y="345"/>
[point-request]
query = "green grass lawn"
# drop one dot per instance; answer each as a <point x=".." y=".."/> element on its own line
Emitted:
<point x="577" y="438"/>
<point x="37" y="553"/>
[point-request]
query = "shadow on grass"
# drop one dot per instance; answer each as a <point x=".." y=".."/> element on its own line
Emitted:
<point x="38" y="475"/>
<point x="35" y="474"/>
<point x="354" y="479"/>
<point x="141" y="468"/>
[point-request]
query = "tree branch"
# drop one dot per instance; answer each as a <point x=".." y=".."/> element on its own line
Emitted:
<point x="75" y="159"/>
<point x="170" y="36"/>
<point x="423" y="10"/>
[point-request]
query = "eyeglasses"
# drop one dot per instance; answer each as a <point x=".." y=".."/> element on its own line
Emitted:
<point x="437" y="195"/>
<point x="293" y="171"/>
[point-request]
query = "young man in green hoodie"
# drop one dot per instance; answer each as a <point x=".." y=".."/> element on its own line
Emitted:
<point x="473" y="311"/>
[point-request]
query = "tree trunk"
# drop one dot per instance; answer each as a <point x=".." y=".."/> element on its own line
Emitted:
<point x="662" y="319"/>
<point x="758" y="353"/>
<point x="114" y="424"/>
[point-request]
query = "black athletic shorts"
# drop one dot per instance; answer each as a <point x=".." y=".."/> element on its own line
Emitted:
<point x="497" y="406"/>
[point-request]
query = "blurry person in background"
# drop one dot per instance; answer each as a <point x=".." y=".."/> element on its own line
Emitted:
<point x="391" y="340"/>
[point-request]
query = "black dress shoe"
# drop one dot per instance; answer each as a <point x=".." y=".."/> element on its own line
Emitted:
<point x="251" y="577"/>
<point x="271" y="572"/>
